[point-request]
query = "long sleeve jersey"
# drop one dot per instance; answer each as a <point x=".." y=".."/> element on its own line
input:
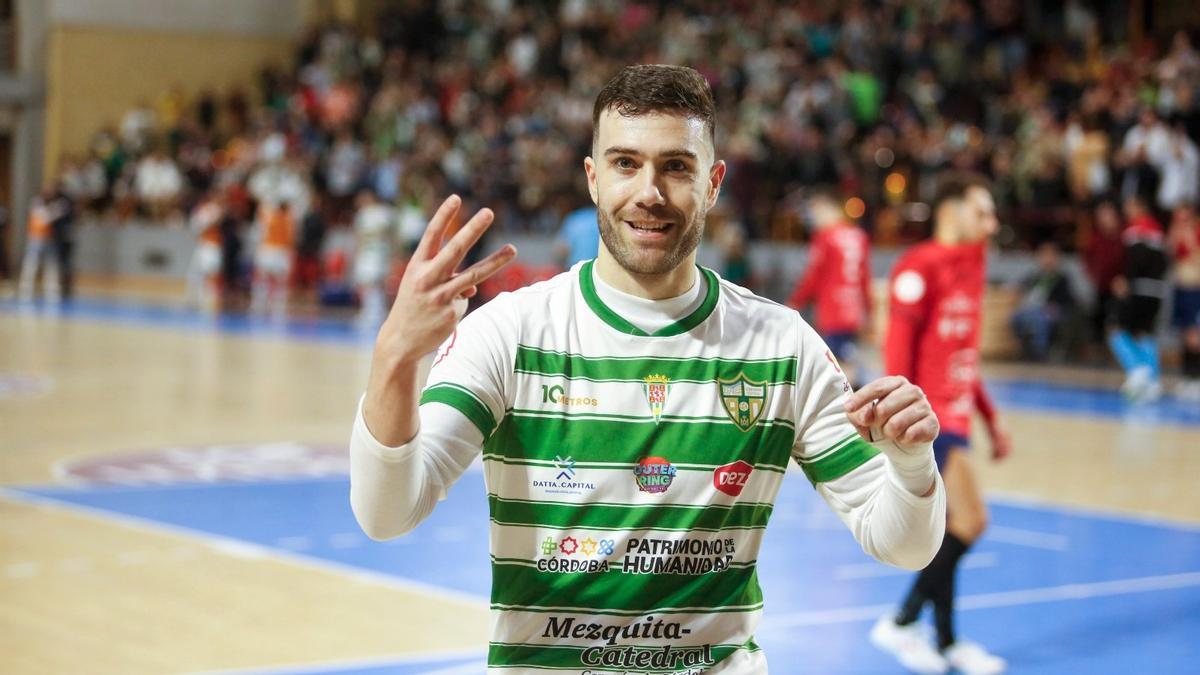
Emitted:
<point x="632" y="469"/>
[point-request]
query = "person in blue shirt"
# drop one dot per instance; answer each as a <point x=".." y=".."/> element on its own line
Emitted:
<point x="578" y="238"/>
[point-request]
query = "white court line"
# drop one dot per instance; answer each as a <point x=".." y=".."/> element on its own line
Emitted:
<point x="870" y="570"/>
<point x="1029" y="596"/>
<point x="1030" y="538"/>
<point x="1026" y="502"/>
<point x="468" y="669"/>
<point x="347" y="664"/>
<point x="241" y="548"/>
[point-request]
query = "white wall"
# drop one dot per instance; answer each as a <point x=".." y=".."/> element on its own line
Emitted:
<point x="244" y="17"/>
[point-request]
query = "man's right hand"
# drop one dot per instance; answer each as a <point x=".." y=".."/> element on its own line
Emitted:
<point x="426" y="311"/>
<point x="429" y="303"/>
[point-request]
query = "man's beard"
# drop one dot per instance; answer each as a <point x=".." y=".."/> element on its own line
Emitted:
<point x="659" y="261"/>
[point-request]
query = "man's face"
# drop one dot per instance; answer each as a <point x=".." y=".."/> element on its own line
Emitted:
<point x="977" y="216"/>
<point x="653" y="179"/>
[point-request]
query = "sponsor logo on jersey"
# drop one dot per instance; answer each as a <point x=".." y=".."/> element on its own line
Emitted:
<point x="656" y="388"/>
<point x="553" y="393"/>
<point x="566" y="479"/>
<point x="566" y="468"/>
<point x="688" y="556"/>
<point x="666" y="657"/>
<point x="743" y="399"/>
<point x="571" y="554"/>
<point x="909" y="287"/>
<point x="654" y="474"/>
<point x="647" y="628"/>
<point x="731" y="478"/>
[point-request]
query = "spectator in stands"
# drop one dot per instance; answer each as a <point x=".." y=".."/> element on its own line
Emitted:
<point x="1178" y="163"/>
<point x="62" y="233"/>
<point x="40" y="254"/>
<point x="1144" y="142"/>
<point x="1104" y="261"/>
<point x="204" y="273"/>
<point x="375" y="231"/>
<point x="137" y="127"/>
<point x="158" y="184"/>
<point x="1140" y="290"/>
<point x="1184" y="241"/>
<point x="273" y="259"/>
<point x="1047" y="305"/>
<point x="309" y="248"/>
<point x="344" y="168"/>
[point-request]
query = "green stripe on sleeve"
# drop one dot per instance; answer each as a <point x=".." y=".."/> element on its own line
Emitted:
<point x="462" y="400"/>
<point x="834" y="465"/>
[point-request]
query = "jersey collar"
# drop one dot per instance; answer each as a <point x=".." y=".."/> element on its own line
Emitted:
<point x="587" y="286"/>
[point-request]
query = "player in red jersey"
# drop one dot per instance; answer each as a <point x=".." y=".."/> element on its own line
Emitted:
<point x="933" y="340"/>
<point x="837" y="280"/>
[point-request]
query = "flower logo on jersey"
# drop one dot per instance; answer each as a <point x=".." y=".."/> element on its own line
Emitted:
<point x="654" y="475"/>
<point x="744" y="400"/>
<point x="656" y="388"/>
<point x="731" y="478"/>
<point x="569" y="545"/>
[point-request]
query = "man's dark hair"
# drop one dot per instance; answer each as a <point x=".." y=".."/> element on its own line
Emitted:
<point x="638" y="90"/>
<point x="955" y="185"/>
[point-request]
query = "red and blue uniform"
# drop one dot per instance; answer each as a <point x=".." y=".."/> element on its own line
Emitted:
<point x="933" y="333"/>
<point x="838" y="280"/>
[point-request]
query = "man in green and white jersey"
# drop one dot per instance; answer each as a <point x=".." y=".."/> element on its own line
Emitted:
<point x="635" y="414"/>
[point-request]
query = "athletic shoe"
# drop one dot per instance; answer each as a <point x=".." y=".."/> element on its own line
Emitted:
<point x="1152" y="392"/>
<point x="909" y="645"/>
<point x="1136" y="383"/>
<point x="970" y="658"/>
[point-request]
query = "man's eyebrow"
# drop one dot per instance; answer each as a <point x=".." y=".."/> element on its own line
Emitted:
<point x="675" y="152"/>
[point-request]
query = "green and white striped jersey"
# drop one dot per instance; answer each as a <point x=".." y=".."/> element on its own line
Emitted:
<point x="631" y="475"/>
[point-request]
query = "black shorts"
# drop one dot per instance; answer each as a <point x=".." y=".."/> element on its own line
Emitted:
<point x="943" y="444"/>
<point x="1187" y="308"/>
<point x="843" y="345"/>
<point x="1138" y="314"/>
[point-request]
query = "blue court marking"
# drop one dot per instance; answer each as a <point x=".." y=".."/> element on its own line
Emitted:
<point x="317" y="329"/>
<point x="1055" y="591"/>
<point x="1015" y="394"/>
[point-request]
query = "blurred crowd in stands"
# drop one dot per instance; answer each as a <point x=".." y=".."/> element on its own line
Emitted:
<point x="493" y="100"/>
<point x="1066" y="114"/>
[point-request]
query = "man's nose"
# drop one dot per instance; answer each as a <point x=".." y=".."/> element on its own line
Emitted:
<point x="649" y="191"/>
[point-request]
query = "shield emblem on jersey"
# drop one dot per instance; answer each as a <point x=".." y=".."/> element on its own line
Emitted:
<point x="743" y="399"/>
<point x="656" y="388"/>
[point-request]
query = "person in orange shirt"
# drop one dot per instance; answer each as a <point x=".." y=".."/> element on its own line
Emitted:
<point x="204" y="276"/>
<point x="273" y="260"/>
<point x="38" y="251"/>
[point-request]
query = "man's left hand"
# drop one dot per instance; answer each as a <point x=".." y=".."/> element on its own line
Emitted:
<point x="895" y="409"/>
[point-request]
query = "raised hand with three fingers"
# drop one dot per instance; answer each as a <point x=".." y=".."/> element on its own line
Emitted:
<point x="429" y="303"/>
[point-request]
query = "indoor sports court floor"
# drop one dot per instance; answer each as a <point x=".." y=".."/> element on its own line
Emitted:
<point x="174" y="499"/>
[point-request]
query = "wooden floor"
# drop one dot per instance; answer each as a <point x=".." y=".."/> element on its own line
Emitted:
<point x="84" y="592"/>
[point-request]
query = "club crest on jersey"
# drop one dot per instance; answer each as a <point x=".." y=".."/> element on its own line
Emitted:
<point x="743" y="400"/>
<point x="654" y="474"/>
<point x="656" y="388"/>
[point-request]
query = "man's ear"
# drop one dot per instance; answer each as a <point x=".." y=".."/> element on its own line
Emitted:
<point x="589" y="167"/>
<point x="715" y="177"/>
